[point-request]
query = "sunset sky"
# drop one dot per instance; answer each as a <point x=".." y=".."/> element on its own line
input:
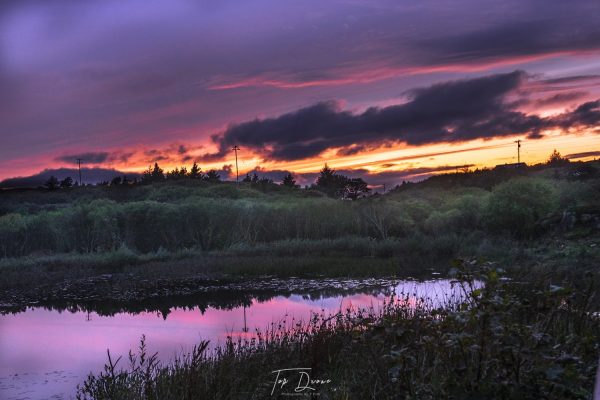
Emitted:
<point x="387" y="90"/>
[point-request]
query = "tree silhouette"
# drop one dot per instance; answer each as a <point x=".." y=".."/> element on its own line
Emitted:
<point x="247" y="179"/>
<point x="157" y="173"/>
<point x="212" y="176"/>
<point x="334" y="185"/>
<point x="67" y="182"/>
<point x="556" y="159"/>
<point x="355" y="188"/>
<point x="177" y="173"/>
<point x="147" y="176"/>
<point x="340" y="186"/>
<point x="116" y="181"/>
<point x="326" y="176"/>
<point x="52" y="183"/>
<point x="174" y="174"/>
<point x="195" y="172"/>
<point x="288" y="181"/>
<point x="151" y="175"/>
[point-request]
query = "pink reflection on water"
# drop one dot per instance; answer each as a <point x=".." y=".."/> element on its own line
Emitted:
<point x="45" y="353"/>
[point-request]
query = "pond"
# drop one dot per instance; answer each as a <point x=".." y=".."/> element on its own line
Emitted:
<point x="46" y="351"/>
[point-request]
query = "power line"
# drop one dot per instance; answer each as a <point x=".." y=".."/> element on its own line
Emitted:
<point x="518" y="142"/>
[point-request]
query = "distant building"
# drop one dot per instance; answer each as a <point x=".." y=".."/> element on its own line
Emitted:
<point x="511" y="166"/>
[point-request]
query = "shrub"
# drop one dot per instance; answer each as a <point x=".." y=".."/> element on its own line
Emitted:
<point x="515" y="206"/>
<point x="13" y="234"/>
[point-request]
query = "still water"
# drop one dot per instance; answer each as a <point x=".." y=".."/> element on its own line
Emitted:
<point x="45" y="352"/>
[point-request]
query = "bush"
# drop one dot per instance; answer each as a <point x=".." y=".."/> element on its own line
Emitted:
<point x="515" y="206"/>
<point x="12" y="234"/>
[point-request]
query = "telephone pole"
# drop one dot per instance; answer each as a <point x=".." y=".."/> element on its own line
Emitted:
<point x="245" y="329"/>
<point x="237" y="171"/>
<point x="79" y="165"/>
<point x="518" y="142"/>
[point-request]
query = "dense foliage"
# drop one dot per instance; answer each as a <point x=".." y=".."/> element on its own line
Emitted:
<point x="202" y="215"/>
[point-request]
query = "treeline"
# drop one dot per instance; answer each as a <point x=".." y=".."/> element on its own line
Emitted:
<point x="337" y="185"/>
<point x="175" y="217"/>
<point x="328" y="181"/>
<point x="157" y="174"/>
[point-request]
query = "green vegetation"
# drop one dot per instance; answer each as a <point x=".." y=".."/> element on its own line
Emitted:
<point x="189" y="214"/>
<point x="501" y="341"/>
<point x="427" y="223"/>
<point x="194" y="229"/>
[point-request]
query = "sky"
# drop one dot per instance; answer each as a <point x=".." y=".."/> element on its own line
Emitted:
<point x="387" y="90"/>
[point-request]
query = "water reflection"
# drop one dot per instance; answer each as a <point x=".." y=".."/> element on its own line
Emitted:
<point x="47" y="351"/>
<point x="221" y="297"/>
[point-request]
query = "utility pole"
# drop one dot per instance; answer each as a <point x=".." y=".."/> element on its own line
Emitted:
<point x="518" y="142"/>
<point x="79" y="165"/>
<point x="237" y="171"/>
<point x="245" y="329"/>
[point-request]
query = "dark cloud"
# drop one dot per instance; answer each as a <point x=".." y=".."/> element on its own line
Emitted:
<point x="585" y="115"/>
<point x="373" y="178"/>
<point x="518" y="38"/>
<point x="583" y="155"/>
<point x="182" y="149"/>
<point x="351" y="150"/>
<point x="92" y="158"/>
<point x="454" y="111"/>
<point x="361" y="148"/>
<point x="276" y="175"/>
<point x="450" y="112"/>
<point x="89" y="175"/>
<point x="226" y="172"/>
<point x="560" y="98"/>
<point x="390" y="178"/>
<point x="571" y="79"/>
<point x="174" y="152"/>
<point x="95" y="157"/>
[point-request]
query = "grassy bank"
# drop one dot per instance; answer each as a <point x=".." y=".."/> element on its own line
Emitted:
<point x="505" y="341"/>
<point x="52" y="278"/>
